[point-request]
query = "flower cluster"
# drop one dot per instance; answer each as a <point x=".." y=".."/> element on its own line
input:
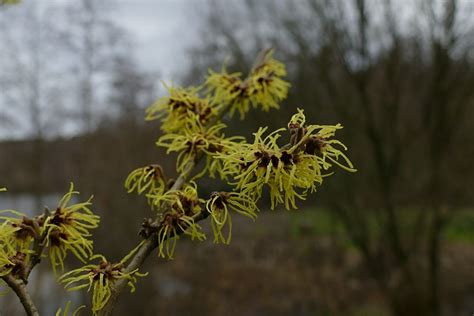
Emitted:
<point x="65" y="230"/>
<point x="99" y="278"/>
<point x="191" y="122"/>
<point x="20" y="230"/>
<point x="181" y="207"/>
<point x="12" y="258"/>
<point x="180" y="108"/>
<point x="68" y="230"/>
<point x="316" y="140"/>
<point x="290" y="171"/>
<point x="17" y="234"/>
<point x="194" y="140"/>
<point x="264" y="87"/>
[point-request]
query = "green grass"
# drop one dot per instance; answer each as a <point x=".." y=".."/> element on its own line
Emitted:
<point x="319" y="222"/>
<point x="313" y="222"/>
<point x="461" y="228"/>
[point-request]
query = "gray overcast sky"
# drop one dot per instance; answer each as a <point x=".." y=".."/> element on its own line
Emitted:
<point x="161" y="31"/>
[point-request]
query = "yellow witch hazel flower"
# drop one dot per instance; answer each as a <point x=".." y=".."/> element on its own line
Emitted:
<point x="149" y="179"/>
<point x="12" y="258"/>
<point x="264" y="86"/>
<point x="181" y="207"/>
<point x="289" y="171"/>
<point x="68" y="230"/>
<point x="267" y="87"/>
<point x="315" y="140"/>
<point x="218" y="207"/>
<point x="13" y="263"/>
<point x="65" y="229"/>
<point x="22" y="230"/>
<point x="179" y="108"/>
<point x="17" y="232"/>
<point x="99" y="278"/>
<point x="229" y="89"/>
<point x="245" y="161"/>
<point x="195" y="139"/>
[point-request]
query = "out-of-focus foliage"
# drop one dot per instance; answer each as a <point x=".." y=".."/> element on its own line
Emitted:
<point x="8" y="2"/>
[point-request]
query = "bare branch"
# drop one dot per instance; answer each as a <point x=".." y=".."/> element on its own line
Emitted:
<point x="38" y="247"/>
<point x="19" y="287"/>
